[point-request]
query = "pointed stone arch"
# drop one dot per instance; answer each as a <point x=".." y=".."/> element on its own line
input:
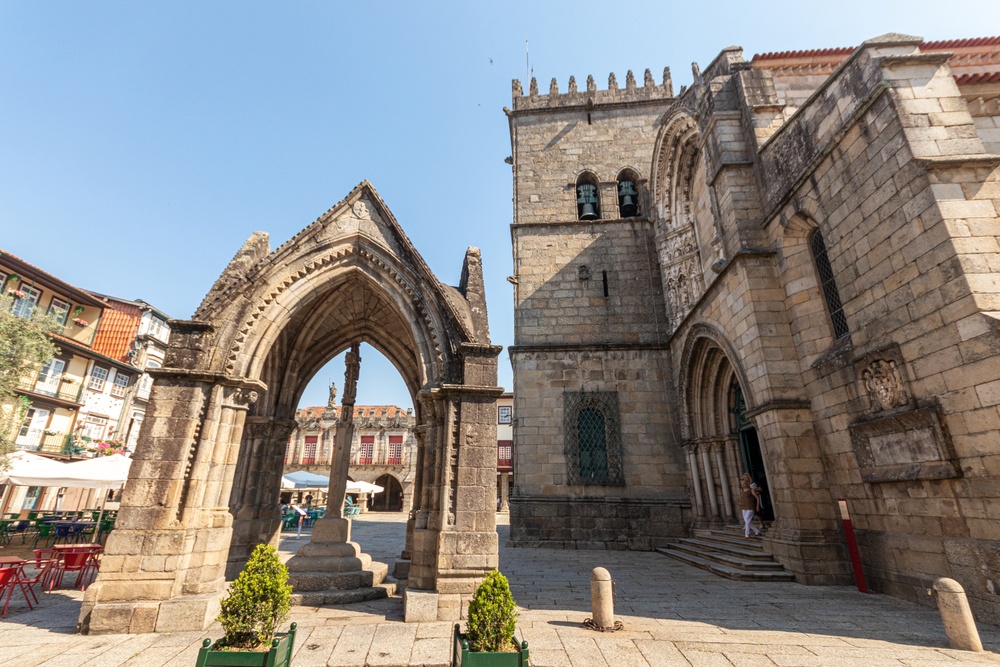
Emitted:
<point x="223" y="407"/>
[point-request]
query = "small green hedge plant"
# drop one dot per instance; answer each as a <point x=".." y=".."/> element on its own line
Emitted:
<point x="492" y="615"/>
<point x="258" y="601"/>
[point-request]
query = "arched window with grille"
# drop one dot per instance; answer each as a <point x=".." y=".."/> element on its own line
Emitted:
<point x="593" y="437"/>
<point x="588" y="201"/>
<point x="828" y="285"/>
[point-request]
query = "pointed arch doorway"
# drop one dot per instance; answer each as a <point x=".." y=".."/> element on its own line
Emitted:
<point x="751" y="458"/>
<point x="205" y="480"/>
<point x="722" y="442"/>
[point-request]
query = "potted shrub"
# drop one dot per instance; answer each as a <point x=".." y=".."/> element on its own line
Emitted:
<point x="492" y="618"/>
<point x="258" y="603"/>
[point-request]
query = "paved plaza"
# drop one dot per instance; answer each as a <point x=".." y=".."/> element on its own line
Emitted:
<point x="673" y="614"/>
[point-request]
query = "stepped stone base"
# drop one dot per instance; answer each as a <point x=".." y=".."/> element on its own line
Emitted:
<point x="330" y="569"/>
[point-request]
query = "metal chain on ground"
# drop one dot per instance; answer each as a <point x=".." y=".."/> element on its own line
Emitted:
<point x="590" y="625"/>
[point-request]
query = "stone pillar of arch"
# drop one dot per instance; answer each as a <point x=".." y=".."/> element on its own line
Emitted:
<point x="164" y="563"/>
<point x="256" y="516"/>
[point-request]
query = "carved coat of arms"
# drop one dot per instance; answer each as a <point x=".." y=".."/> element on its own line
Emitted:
<point x="884" y="385"/>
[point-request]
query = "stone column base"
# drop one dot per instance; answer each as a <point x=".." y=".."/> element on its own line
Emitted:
<point x="816" y="558"/>
<point x="182" y="614"/>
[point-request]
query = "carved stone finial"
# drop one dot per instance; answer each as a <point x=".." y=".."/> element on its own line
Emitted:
<point x="516" y="90"/>
<point x="591" y="86"/>
<point x="553" y="87"/>
<point x="629" y="80"/>
<point x="696" y="71"/>
<point x="612" y="82"/>
<point x="572" y="85"/>
<point x="533" y="88"/>
<point x="647" y="79"/>
<point x="668" y="82"/>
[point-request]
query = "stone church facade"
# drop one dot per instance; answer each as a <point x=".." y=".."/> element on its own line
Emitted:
<point x="789" y="268"/>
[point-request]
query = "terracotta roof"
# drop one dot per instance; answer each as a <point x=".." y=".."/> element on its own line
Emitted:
<point x="360" y="412"/>
<point x="946" y="44"/>
<point x="63" y="342"/>
<point x="314" y="412"/>
<point x="839" y="54"/>
<point x="810" y="53"/>
<point x="117" y="329"/>
<point x="982" y="77"/>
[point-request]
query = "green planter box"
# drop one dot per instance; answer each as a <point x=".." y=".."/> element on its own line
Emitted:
<point x="279" y="655"/>
<point x="462" y="656"/>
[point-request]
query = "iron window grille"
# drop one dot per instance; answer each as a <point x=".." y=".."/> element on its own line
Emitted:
<point x="829" y="286"/>
<point x="593" y="437"/>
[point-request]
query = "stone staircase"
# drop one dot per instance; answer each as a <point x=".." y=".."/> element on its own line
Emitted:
<point x="727" y="553"/>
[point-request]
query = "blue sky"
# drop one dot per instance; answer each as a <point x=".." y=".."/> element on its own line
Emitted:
<point x="142" y="143"/>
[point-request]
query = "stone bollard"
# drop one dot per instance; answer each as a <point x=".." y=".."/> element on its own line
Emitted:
<point x="602" y="598"/>
<point x="956" y="616"/>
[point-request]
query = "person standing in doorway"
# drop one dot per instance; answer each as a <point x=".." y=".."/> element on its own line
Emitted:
<point x="749" y="504"/>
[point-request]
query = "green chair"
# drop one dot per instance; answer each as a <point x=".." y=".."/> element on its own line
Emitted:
<point x="44" y="531"/>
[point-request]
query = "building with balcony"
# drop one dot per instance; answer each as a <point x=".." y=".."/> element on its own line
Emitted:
<point x="383" y="449"/>
<point x="91" y="395"/>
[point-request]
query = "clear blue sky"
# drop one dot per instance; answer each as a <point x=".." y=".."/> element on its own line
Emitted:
<point x="142" y="143"/>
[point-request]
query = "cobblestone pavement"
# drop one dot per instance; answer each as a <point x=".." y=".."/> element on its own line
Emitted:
<point x="673" y="615"/>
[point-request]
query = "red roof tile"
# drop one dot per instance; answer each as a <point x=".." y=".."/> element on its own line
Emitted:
<point x="982" y="77"/>
<point x="946" y="44"/>
<point x="117" y="330"/>
<point x="811" y="53"/>
<point x="360" y="411"/>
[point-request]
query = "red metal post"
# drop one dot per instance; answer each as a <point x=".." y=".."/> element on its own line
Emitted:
<point x="852" y="546"/>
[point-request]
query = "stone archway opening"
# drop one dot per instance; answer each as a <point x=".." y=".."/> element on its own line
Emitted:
<point x="207" y="467"/>
<point x="391" y="497"/>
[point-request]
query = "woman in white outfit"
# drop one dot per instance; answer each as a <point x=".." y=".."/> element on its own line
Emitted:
<point x="749" y="503"/>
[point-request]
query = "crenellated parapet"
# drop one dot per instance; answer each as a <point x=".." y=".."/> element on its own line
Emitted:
<point x="590" y="96"/>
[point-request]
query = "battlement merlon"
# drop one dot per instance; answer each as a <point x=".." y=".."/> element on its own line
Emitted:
<point x="590" y="97"/>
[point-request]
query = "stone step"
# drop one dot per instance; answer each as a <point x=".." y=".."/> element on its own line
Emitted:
<point x="759" y="561"/>
<point x="742" y="548"/>
<point x="334" y="597"/>
<point x="737" y="574"/>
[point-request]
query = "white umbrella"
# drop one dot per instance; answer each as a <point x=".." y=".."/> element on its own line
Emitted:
<point x="103" y="471"/>
<point x="27" y="469"/>
<point x="363" y="487"/>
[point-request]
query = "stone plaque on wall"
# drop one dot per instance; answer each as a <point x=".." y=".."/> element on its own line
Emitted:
<point x="907" y="445"/>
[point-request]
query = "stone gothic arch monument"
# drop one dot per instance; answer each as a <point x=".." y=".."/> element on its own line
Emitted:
<point x="204" y="483"/>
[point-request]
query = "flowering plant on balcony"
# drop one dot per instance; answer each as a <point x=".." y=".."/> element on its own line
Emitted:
<point x="109" y="447"/>
<point x="80" y="322"/>
<point x="16" y="293"/>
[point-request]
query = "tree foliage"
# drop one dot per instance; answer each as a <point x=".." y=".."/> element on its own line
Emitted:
<point x="258" y="602"/>
<point x="24" y="348"/>
<point x="492" y="615"/>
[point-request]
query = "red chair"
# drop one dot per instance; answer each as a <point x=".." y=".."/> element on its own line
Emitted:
<point x="81" y="562"/>
<point x="8" y="580"/>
